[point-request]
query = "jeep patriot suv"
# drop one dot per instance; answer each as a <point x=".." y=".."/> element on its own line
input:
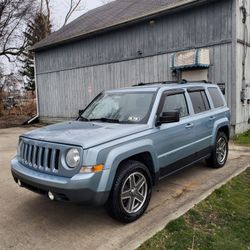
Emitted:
<point x="123" y="143"/>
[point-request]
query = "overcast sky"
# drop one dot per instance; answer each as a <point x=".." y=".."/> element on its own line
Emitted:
<point x="60" y="8"/>
<point x="59" y="11"/>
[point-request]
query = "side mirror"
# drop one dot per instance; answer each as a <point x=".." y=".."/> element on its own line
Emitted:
<point x="168" y="117"/>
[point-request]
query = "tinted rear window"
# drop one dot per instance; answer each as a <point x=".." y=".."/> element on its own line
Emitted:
<point x="216" y="97"/>
<point x="199" y="101"/>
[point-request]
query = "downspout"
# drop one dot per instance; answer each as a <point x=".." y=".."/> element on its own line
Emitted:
<point x="245" y="41"/>
<point x="30" y="121"/>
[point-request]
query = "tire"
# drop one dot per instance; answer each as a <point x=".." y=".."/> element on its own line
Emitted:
<point x="219" y="154"/>
<point x="134" y="181"/>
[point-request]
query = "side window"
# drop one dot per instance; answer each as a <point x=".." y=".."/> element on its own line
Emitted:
<point x="176" y="102"/>
<point x="216" y="97"/>
<point x="199" y="101"/>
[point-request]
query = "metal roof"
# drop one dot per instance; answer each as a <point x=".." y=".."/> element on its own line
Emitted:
<point x="107" y="17"/>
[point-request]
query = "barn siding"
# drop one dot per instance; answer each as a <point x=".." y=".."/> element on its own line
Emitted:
<point x="242" y="111"/>
<point x="197" y="27"/>
<point x="63" y="93"/>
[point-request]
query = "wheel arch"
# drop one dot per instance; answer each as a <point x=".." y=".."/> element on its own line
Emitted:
<point x="226" y="130"/>
<point x="144" y="158"/>
<point x="221" y="125"/>
<point x="141" y="151"/>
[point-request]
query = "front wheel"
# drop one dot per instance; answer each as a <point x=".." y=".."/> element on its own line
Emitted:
<point x="219" y="154"/>
<point x="131" y="192"/>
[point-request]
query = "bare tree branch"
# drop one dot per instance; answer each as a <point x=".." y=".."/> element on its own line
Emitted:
<point x="74" y="6"/>
<point x="48" y="9"/>
<point x="13" y="15"/>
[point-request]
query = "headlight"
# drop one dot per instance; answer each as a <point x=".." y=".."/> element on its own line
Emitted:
<point x="73" y="158"/>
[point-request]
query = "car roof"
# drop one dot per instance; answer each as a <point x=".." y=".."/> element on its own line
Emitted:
<point x="151" y="87"/>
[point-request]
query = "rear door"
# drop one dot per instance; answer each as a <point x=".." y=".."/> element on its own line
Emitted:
<point x="203" y="120"/>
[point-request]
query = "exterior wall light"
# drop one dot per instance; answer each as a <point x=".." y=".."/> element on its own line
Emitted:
<point x="139" y="52"/>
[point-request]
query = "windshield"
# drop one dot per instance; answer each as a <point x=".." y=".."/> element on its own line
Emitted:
<point x="120" y="108"/>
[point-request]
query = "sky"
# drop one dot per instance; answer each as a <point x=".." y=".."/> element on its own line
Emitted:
<point x="60" y="8"/>
<point x="58" y="13"/>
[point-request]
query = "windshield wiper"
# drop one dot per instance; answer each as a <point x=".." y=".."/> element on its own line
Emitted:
<point x="83" y="119"/>
<point x="103" y="119"/>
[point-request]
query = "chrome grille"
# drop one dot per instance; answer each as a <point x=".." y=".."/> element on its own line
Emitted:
<point x="40" y="157"/>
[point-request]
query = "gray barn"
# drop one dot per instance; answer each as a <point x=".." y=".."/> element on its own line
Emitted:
<point x="131" y="41"/>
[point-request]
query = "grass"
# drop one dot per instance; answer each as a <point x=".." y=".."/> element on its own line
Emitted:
<point x="222" y="222"/>
<point x="243" y="139"/>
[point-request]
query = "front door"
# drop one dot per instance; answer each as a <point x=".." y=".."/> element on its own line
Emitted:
<point x="174" y="140"/>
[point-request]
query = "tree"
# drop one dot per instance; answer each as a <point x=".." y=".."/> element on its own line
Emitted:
<point x="45" y="10"/>
<point x="13" y="15"/>
<point x="74" y="5"/>
<point x="37" y="29"/>
<point x="1" y="89"/>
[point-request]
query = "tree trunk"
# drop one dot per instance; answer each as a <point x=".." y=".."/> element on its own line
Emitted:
<point x="1" y="102"/>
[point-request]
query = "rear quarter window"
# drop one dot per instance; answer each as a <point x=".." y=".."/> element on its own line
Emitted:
<point x="216" y="97"/>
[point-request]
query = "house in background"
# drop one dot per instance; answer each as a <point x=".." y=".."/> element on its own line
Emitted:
<point x="11" y="89"/>
<point x="132" y="41"/>
<point x="14" y="98"/>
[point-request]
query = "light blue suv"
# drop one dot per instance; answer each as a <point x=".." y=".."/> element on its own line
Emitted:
<point x="123" y="143"/>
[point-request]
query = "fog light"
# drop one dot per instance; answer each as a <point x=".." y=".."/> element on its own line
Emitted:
<point x="92" y="169"/>
<point x="51" y="196"/>
<point x="19" y="183"/>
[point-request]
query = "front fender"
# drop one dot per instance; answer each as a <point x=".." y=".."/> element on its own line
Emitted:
<point x="121" y="153"/>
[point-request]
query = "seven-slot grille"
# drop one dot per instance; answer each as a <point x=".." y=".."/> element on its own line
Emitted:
<point x="40" y="157"/>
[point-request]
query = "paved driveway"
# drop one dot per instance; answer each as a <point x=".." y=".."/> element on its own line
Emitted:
<point x="29" y="221"/>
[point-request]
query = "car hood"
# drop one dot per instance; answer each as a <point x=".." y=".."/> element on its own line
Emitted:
<point x="84" y="134"/>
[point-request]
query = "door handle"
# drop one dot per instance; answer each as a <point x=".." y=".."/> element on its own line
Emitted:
<point x="189" y="125"/>
<point x="211" y="118"/>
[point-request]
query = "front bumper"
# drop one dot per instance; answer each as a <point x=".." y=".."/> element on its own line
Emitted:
<point x="81" y="188"/>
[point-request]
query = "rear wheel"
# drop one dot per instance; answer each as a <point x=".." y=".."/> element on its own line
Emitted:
<point x="131" y="192"/>
<point x="219" y="154"/>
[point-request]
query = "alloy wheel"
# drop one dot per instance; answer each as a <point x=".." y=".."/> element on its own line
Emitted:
<point x="221" y="150"/>
<point x="134" y="192"/>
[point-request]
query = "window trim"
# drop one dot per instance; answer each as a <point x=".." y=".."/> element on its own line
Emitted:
<point x="171" y="93"/>
<point x="206" y="96"/>
<point x="195" y="89"/>
<point x="200" y="90"/>
<point x="221" y="95"/>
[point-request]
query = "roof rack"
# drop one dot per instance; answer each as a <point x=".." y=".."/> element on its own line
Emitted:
<point x="152" y="83"/>
<point x="183" y="81"/>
